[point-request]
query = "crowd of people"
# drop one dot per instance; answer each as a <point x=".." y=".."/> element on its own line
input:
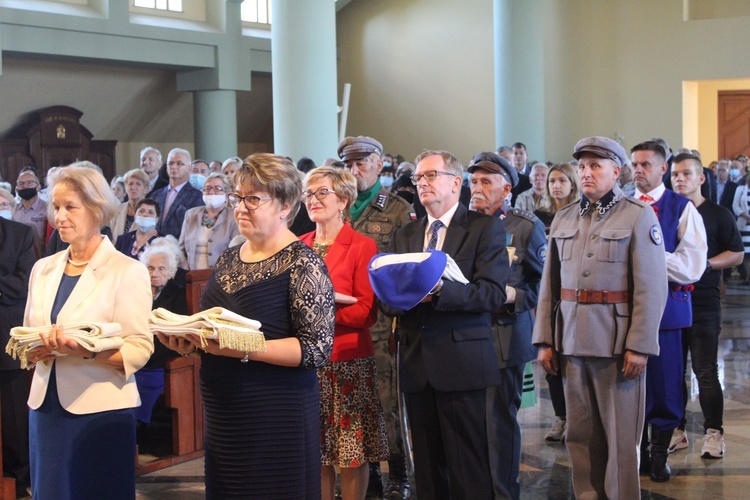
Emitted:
<point x="560" y="262"/>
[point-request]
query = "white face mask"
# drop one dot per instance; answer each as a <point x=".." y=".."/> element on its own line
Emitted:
<point x="386" y="181"/>
<point x="145" y="223"/>
<point x="6" y="214"/>
<point x="214" y="200"/>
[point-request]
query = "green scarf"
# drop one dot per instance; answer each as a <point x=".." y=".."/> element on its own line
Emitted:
<point x="363" y="199"/>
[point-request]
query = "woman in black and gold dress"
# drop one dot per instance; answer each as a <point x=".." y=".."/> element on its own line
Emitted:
<point x="262" y="412"/>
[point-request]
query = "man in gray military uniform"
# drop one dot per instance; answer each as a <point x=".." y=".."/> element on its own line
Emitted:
<point x="378" y="214"/>
<point x="491" y="180"/>
<point x="601" y="299"/>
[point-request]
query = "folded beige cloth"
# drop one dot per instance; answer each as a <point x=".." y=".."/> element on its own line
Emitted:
<point x="230" y="329"/>
<point x="95" y="337"/>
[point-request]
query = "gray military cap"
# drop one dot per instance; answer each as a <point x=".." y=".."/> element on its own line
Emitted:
<point x="603" y="147"/>
<point x="356" y="148"/>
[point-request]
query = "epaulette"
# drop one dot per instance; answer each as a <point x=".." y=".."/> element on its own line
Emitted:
<point x="525" y="214"/>
<point x="381" y="200"/>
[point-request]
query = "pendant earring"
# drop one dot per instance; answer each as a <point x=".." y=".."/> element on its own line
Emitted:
<point x="341" y="212"/>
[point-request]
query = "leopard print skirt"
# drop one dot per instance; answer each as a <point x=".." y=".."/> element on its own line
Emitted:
<point x="352" y="424"/>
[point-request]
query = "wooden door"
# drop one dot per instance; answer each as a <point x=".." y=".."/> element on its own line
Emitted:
<point x="734" y="123"/>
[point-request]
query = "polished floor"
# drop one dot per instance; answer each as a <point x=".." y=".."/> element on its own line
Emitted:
<point x="545" y="469"/>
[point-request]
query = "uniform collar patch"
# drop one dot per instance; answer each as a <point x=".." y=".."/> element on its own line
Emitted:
<point x="601" y="207"/>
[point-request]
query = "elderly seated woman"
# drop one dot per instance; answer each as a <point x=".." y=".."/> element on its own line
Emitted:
<point x="207" y="230"/>
<point x="162" y="259"/>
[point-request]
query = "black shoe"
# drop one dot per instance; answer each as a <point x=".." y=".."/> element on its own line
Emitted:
<point x="398" y="480"/>
<point x="375" y="484"/>
<point x="660" y="471"/>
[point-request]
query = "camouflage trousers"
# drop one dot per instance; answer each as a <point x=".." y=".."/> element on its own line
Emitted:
<point x="387" y="386"/>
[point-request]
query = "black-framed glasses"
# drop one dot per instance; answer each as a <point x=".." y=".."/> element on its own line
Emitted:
<point x="430" y="176"/>
<point x="251" y="202"/>
<point x="319" y="193"/>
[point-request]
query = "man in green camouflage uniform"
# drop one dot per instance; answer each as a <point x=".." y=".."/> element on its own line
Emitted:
<point x="378" y="214"/>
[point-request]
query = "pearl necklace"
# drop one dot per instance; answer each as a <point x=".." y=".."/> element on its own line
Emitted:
<point x="77" y="264"/>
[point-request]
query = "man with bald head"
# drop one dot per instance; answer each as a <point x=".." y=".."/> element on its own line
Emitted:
<point x="701" y="340"/>
<point x="601" y="298"/>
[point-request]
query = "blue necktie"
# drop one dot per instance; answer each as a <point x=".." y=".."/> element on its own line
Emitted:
<point x="435" y="227"/>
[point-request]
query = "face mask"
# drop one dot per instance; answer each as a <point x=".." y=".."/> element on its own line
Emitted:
<point x="386" y="181"/>
<point x="466" y="176"/>
<point x="386" y="164"/>
<point x="214" y="200"/>
<point x="735" y="172"/>
<point x="197" y="180"/>
<point x="145" y="223"/>
<point x="26" y="193"/>
<point x="6" y="214"/>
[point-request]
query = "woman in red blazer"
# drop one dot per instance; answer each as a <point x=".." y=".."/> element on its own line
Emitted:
<point x="352" y="423"/>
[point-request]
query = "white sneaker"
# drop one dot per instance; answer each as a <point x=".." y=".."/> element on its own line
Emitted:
<point x="679" y="441"/>
<point x="557" y="432"/>
<point x="713" y="444"/>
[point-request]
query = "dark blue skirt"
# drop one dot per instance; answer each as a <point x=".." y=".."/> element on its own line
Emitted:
<point x="81" y="456"/>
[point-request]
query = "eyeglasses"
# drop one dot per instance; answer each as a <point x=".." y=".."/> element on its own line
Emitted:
<point x="213" y="189"/>
<point x="430" y="176"/>
<point x="5" y="206"/>
<point x="31" y="184"/>
<point x="319" y="193"/>
<point x="251" y="202"/>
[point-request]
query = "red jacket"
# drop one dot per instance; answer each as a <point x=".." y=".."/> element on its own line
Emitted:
<point x="347" y="261"/>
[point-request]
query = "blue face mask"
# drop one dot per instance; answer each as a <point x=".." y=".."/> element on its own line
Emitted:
<point x="734" y="172"/>
<point x="6" y="214"/>
<point x="386" y="181"/>
<point x="197" y="180"/>
<point x="386" y="164"/>
<point x="466" y="176"/>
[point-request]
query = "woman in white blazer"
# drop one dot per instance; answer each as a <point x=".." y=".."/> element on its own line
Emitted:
<point x="207" y="231"/>
<point x="82" y="419"/>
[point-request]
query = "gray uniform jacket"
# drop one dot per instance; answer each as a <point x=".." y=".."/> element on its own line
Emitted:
<point x="615" y="247"/>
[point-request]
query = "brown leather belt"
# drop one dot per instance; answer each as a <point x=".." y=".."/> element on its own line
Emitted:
<point x="594" y="296"/>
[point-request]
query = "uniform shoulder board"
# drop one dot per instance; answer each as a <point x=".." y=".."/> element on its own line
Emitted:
<point x="525" y="214"/>
<point x="381" y="200"/>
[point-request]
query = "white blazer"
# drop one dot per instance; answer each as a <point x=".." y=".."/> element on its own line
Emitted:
<point x="112" y="288"/>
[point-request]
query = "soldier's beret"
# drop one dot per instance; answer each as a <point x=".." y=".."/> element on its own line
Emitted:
<point x="603" y="147"/>
<point x="356" y="148"/>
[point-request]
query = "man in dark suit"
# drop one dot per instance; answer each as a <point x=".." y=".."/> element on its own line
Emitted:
<point x="725" y="188"/>
<point x="17" y="257"/>
<point x="520" y="157"/>
<point x="447" y="356"/>
<point x="177" y="198"/>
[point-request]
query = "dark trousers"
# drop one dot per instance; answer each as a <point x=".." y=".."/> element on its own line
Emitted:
<point x="557" y="394"/>
<point x="504" y="433"/>
<point x="665" y="382"/>
<point x="449" y="437"/>
<point x="14" y="392"/>
<point x="702" y="341"/>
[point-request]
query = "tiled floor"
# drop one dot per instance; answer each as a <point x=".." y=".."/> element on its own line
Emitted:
<point x="545" y="469"/>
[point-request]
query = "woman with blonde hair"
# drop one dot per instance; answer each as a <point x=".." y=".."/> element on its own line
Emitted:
<point x="136" y="186"/>
<point x="352" y="423"/>
<point x="562" y="188"/>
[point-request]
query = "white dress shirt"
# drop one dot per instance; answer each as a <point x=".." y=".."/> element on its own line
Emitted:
<point x="688" y="262"/>
<point x="445" y="219"/>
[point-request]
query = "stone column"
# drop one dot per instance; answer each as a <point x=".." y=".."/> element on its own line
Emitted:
<point x="215" y="122"/>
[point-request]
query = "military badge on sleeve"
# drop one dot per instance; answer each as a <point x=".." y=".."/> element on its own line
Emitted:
<point x="655" y="233"/>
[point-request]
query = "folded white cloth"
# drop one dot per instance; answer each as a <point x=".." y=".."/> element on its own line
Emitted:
<point x="95" y="337"/>
<point x="230" y="329"/>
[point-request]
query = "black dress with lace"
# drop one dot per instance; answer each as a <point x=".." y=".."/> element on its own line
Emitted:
<point x="262" y="421"/>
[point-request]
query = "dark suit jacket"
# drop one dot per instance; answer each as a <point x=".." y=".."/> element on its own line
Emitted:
<point x="448" y="342"/>
<point x="187" y="198"/>
<point x="17" y="257"/>
<point x="727" y="197"/>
